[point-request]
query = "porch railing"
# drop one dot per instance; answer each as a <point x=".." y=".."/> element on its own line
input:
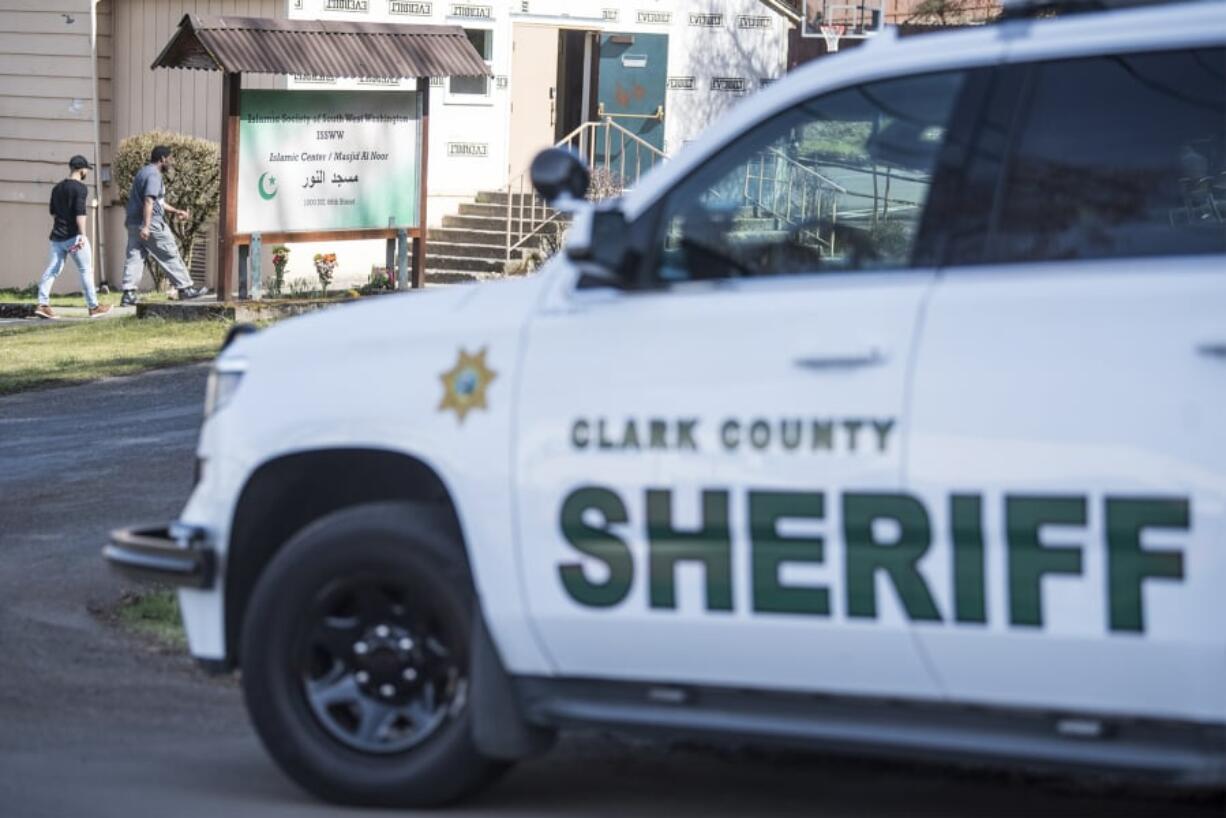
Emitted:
<point x="616" y="158"/>
<point x="778" y="186"/>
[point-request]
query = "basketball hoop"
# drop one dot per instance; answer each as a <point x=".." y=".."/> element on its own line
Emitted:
<point x="831" y="35"/>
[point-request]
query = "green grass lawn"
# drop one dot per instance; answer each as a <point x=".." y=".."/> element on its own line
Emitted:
<point x="29" y="295"/>
<point x="153" y="613"/>
<point x="54" y="354"/>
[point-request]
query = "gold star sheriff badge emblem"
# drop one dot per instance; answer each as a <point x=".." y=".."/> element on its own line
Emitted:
<point x="465" y="383"/>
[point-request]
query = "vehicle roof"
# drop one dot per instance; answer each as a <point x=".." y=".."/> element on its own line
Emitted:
<point x="1146" y="28"/>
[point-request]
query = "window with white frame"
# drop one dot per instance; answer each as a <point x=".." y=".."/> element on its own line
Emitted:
<point x="474" y="87"/>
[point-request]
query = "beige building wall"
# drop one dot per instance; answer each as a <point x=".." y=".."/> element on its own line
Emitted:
<point x="46" y="116"/>
<point x="46" y="108"/>
<point x="178" y="100"/>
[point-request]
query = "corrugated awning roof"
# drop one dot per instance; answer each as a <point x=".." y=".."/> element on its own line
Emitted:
<point x="321" y="48"/>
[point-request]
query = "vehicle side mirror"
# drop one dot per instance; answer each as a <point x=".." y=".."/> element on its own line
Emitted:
<point x="599" y="244"/>
<point x="561" y="178"/>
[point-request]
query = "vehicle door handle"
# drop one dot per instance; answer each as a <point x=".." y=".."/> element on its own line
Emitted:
<point x="1212" y="350"/>
<point x="847" y="360"/>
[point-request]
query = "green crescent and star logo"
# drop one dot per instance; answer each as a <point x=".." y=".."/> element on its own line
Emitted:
<point x="269" y="192"/>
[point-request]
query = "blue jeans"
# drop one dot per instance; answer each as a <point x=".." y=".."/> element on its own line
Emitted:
<point x="55" y="264"/>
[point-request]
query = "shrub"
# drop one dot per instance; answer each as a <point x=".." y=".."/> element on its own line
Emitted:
<point x="300" y="288"/>
<point x="379" y="280"/>
<point x="193" y="185"/>
<point x="605" y="184"/>
<point x="552" y="238"/>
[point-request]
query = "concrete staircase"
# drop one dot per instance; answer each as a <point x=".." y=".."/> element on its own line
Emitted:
<point x="471" y="245"/>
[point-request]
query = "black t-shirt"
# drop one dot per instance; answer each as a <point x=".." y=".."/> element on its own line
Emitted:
<point x="68" y="200"/>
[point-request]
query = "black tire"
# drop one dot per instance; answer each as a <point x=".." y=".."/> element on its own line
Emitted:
<point x="401" y="554"/>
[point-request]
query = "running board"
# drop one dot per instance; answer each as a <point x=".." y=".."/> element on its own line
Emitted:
<point x="1180" y="753"/>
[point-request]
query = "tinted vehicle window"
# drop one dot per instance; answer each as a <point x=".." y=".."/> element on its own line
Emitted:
<point x="836" y="184"/>
<point x="1118" y="156"/>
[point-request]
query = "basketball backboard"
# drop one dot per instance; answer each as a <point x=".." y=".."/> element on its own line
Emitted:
<point x="834" y="20"/>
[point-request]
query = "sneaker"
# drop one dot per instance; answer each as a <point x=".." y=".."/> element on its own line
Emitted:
<point x="44" y="311"/>
<point x="129" y="299"/>
<point x="99" y="311"/>
<point x="188" y="293"/>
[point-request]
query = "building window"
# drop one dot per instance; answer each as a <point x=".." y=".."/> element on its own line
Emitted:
<point x="472" y="87"/>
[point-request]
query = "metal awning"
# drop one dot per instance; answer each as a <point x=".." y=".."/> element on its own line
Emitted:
<point x="321" y="48"/>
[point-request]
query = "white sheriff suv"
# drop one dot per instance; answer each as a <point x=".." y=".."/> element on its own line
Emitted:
<point x="887" y="417"/>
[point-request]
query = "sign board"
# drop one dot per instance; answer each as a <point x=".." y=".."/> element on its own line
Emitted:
<point x="327" y="160"/>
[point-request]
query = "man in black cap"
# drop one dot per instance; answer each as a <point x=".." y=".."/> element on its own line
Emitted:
<point x="69" y="203"/>
<point x="148" y="234"/>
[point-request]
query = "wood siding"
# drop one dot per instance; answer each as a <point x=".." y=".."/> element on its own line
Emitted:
<point x="173" y="100"/>
<point x="176" y="100"/>
<point x="46" y="98"/>
<point x="46" y="106"/>
<point x="46" y="94"/>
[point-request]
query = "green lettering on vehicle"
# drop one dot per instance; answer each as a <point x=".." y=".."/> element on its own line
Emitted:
<point x="599" y="543"/>
<point x="685" y="434"/>
<point x="1030" y="559"/>
<point x="882" y="428"/>
<point x="710" y="545"/>
<point x="630" y="437"/>
<point x="580" y="434"/>
<point x="791" y="432"/>
<point x="658" y="434"/>
<point x="606" y="442"/>
<point x="966" y="523"/>
<point x="771" y="550"/>
<point x="852" y="425"/>
<point x="898" y="560"/>
<point x="759" y="434"/>
<point x="823" y="434"/>
<point x="1128" y="564"/>
<point x="730" y="434"/>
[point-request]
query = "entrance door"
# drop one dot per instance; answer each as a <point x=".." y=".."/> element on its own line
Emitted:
<point x="576" y="68"/>
<point x="534" y="72"/>
<point x="633" y="76"/>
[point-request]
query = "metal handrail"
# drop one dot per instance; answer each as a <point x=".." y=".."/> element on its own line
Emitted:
<point x="528" y="214"/>
<point x="826" y="180"/>
<point x="799" y="195"/>
<point x="657" y="114"/>
<point x="794" y="193"/>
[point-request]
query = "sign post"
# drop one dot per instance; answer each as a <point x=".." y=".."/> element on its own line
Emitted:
<point x="231" y="86"/>
<point x="419" y="243"/>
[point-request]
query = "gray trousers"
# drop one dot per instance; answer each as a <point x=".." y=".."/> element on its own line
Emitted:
<point x="161" y="247"/>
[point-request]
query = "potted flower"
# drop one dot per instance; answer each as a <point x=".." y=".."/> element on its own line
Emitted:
<point x="280" y="260"/>
<point x="325" y="266"/>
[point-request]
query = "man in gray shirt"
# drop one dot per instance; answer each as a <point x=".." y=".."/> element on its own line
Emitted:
<point x="148" y="234"/>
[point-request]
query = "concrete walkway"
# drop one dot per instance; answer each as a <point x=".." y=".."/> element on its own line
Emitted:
<point x="79" y="314"/>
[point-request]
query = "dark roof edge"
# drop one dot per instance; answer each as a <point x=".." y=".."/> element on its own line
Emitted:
<point x="275" y="46"/>
<point x="233" y="23"/>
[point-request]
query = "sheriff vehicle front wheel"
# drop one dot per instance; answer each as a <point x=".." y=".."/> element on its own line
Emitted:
<point x="355" y="659"/>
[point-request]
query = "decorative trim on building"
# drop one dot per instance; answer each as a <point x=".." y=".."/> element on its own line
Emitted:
<point x="468" y="150"/>
<point x="408" y="8"/>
